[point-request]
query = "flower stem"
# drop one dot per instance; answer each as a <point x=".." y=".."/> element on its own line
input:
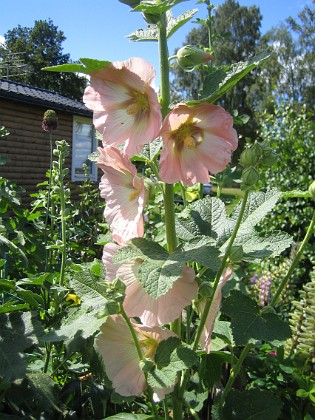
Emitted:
<point x="295" y="261"/>
<point x="204" y="315"/>
<point x="63" y="222"/>
<point x="235" y="371"/>
<point x="220" y="272"/>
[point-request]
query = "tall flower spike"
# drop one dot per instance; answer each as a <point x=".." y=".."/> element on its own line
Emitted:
<point x="205" y="338"/>
<point x="124" y="192"/>
<point x="120" y="355"/>
<point x="197" y="140"/>
<point x="138" y="303"/>
<point x="125" y="104"/>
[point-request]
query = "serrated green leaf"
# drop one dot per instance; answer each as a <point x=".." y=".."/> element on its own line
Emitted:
<point x="248" y="323"/>
<point x="86" y="66"/>
<point x="173" y="24"/>
<point x="19" y="331"/>
<point x="171" y="357"/>
<point x="148" y="34"/>
<point x="150" y="150"/>
<point x="252" y="404"/>
<point x="79" y="323"/>
<point x="221" y="80"/>
<point x="269" y="245"/>
<point x="159" y="8"/>
<point x="89" y="286"/>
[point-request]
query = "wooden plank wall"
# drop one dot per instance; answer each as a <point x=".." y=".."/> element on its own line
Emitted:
<point x="27" y="146"/>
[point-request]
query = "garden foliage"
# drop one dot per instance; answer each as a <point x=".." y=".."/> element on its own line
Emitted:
<point x="163" y="321"/>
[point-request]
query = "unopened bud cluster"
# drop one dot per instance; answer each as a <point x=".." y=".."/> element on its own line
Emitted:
<point x="50" y="121"/>
<point x="259" y="154"/>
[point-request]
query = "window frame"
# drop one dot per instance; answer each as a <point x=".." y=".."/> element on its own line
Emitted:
<point x="81" y="177"/>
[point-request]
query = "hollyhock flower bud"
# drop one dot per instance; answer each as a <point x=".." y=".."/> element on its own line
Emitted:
<point x="190" y="56"/>
<point x="311" y="189"/>
<point x="236" y="253"/>
<point x="205" y="290"/>
<point x="50" y="121"/>
<point x="250" y="176"/>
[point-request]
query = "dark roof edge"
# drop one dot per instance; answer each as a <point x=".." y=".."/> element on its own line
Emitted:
<point x="45" y="103"/>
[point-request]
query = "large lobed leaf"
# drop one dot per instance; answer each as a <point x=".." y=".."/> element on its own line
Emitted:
<point x="171" y="357"/>
<point x="208" y="217"/>
<point x="159" y="269"/>
<point x="19" y="331"/>
<point x="222" y="79"/>
<point x="249" y="322"/>
<point x="151" y="33"/>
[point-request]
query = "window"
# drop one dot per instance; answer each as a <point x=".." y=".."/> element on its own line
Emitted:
<point x="83" y="144"/>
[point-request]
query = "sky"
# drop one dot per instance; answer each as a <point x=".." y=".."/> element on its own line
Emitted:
<point x="98" y="28"/>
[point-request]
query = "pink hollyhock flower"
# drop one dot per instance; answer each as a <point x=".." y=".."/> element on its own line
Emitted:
<point x="197" y="140"/>
<point x="124" y="192"/>
<point x="205" y="338"/>
<point x="138" y="302"/>
<point x="120" y="356"/>
<point x="125" y="105"/>
<point x="164" y="309"/>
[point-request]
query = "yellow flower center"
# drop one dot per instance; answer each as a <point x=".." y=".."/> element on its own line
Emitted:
<point x="133" y="195"/>
<point x="138" y="104"/>
<point x="149" y="346"/>
<point x="186" y="136"/>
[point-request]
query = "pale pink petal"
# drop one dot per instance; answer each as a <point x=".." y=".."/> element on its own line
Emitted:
<point x="160" y="311"/>
<point x="120" y="357"/>
<point x="197" y="140"/>
<point x="205" y="338"/>
<point x="124" y="193"/>
<point x="109" y="251"/>
<point x="125" y="105"/>
<point x="121" y="360"/>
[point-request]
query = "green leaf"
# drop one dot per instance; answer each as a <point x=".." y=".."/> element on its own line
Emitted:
<point x="171" y="357"/>
<point x="14" y="248"/>
<point x="206" y="217"/>
<point x="149" y="34"/>
<point x="46" y="391"/>
<point x="270" y="245"/>
<point x="19" y="331"/>
<point x="129" y="416"/>
<point x="6" y="285"/>
<point x="223" y="79"/>
<point x="150" y="150"/>
<point x="249" y="323"/>
<point x="173" y="24"/>
<point x="85" y="65"/>
<point x="13" y="307"/>
<point x="89" y="285"/>
<point x="253" y="404"/>
<point x="211" y="367"/>
<point x="33" y="299"/>
<point x="80" y="323"/>
<point x="155" y="8"/>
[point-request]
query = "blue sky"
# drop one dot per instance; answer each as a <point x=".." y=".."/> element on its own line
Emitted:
<point x="98" y="28"/>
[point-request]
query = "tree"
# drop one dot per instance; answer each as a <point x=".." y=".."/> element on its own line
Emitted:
<point x="290" y="73"/>
<point x="41" y="46"/>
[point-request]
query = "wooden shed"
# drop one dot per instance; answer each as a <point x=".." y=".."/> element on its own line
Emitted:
<point x="27" y="146"/>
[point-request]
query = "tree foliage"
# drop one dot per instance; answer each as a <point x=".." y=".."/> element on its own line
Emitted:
<point x="41" y="46"/>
